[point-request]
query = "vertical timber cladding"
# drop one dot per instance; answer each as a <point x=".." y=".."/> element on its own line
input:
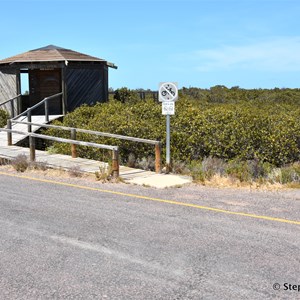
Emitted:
<point x="44" y="83"/>
<point x="8" y="88"/>
<point x="86" y="84"/>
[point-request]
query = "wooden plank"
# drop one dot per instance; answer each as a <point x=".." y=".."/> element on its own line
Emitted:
<point x="8" y="88"/>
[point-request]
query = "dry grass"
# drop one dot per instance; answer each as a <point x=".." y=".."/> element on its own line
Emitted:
<point x="293" y="185"/>
<point x="216" y="181"/>
<point x="229" y="182"/>
<point x="53" y="173"/>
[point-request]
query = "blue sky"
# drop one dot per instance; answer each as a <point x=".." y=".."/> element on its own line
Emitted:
<point x="199" y="43"/>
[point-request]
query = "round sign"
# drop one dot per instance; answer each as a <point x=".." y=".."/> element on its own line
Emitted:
<point x="168" y="91"/>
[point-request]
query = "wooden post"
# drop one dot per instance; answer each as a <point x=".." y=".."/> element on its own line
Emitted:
<point x="115" y="164"/>
<point x="73" y="146"/>
<point x="46" y="111"/>
<point x="12" y="107"/>
<point x="32" y="148"/>
<point x="64" y="90"/>
<point x="29" y="120"/>
<point x="19" y="104"/>
<point x="18" y="86"/>
<point x="158" y="158"/>
<point x="9" y="133"/>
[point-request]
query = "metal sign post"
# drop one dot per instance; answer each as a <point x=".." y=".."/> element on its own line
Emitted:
<point x="168" y="146"/>
<point x="168" y="94"/>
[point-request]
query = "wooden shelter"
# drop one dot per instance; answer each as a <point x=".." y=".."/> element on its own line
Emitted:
<point x="82" y="79"/>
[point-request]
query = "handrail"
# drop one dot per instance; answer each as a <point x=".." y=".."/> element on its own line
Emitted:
<point x="62" y="140"/>
<point x="29" y="109"/>
<point x="74" y="131"/>
<point x="12" y="108"/>
<point x="43" y="101"/>
<point x="32" y="136"/>
<point x="98" y="133"/>
<point x="3" y="103"/>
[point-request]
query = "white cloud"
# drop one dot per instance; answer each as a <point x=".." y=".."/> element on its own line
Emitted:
<point x="276" y="55"/>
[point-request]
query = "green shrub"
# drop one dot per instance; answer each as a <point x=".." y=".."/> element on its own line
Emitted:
<point x="212" y="166"/>
<point x="196" y="171"/>
<point x="268" y="132"/>
<point x="248" y="170"/>
<point x="125" y="95"/>
<point x="239" y="170"/>
<point x="3" y="118"/>
<point x="207" y="168"/>
<point x="137" y="120"/>
<point x="287" y="174"/>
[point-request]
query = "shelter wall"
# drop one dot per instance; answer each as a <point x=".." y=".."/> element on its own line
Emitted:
<point x="8" y="88"/>
<point x="86" y="85"/>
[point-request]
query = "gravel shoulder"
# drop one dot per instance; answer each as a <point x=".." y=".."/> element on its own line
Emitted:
<point x="276" y="202"/>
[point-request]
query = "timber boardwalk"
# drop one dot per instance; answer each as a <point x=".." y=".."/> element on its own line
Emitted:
<point x="66" y="162"/>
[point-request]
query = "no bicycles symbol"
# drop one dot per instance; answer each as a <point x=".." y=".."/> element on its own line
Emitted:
<point x="168" y="91"/>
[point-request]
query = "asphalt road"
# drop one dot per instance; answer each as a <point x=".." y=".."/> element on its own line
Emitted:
<point x="67" y="242"/>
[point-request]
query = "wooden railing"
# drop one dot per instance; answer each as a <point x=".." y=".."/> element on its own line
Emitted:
<point x="74" y="131"/>
<point x="12" y="104"/>
<point x="32" y="136"/>
<point x="28" y="111"/>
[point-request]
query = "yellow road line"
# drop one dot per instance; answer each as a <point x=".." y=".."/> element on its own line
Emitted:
<point x="157" y="199"/>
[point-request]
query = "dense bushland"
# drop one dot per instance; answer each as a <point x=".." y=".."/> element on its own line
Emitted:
<point x="3" y="118"/>
<point x="228" y="124"/>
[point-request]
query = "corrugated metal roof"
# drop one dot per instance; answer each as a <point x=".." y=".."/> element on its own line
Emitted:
<point x="52" y="53"/>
